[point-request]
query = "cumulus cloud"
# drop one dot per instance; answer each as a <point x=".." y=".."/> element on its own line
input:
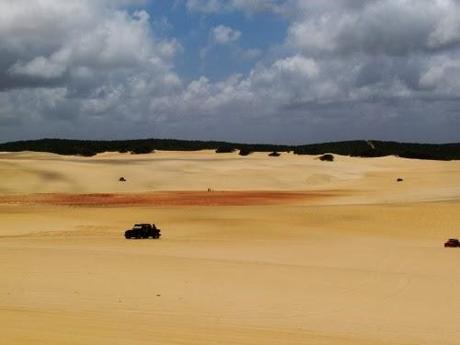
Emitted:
<point x="51" y="46"/>
<point x="248" y="6"/>
<point x="207" y="6"/>
<point x="376" y="63"/>
<point x="388" y="27"/>
<point x="81" y="57"/>
<point x="385" y="48"/>
<point x="347" y="69"/>
<point x="350" y="52"/>
<point x="222" y="34"/>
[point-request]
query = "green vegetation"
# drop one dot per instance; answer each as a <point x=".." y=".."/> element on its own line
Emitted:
<point x="225" y="149"/>
<point x="327" y="157"/>
<point x="349" y="148"/>
<point x="384" y="148"/>
<point x="245" y="151"/>
<point x="274" y="154"/>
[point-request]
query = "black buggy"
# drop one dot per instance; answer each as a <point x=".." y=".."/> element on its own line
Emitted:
<point x="143" y="231"/>
<point x="452" y="243"/>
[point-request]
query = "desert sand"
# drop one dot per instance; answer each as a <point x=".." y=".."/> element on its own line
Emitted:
<point x="287" y="250"/>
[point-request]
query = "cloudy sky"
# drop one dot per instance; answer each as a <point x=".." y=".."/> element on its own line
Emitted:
<point x="274" y="71"/>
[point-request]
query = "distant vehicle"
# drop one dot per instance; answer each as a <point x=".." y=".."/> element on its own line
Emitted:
<point x="143" y="231"/>
<point x="452" y="243"/>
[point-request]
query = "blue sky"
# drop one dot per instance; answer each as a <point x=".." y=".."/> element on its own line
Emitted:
<point x="273" y="71"/>
<point x="259" y="31"/>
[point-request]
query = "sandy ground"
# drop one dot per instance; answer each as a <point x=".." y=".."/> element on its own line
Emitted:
<point x="287" y="250"/>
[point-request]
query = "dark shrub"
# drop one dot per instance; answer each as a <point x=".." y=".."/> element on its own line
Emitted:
<point x="359" y="148"/>
<point x="85" y="152"/>
<point x="274" y="154"/>
<point x="142" y="149"/>
<point x="225" y="149"/>
<point x="418" y="155"/>
<point x="369" y="153"/>
<point x="245" y="152"/>
<point x="327" y="157"/>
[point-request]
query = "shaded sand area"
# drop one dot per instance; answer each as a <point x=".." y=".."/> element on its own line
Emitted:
<point x="287" y="250"/>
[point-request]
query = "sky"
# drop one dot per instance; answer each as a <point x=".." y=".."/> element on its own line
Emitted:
<point x="265" y="71"/>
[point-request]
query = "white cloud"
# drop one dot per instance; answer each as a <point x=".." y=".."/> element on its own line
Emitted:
<point x="384" y="26"/>
<point x="365" y="62"/>
<point x="39" y="67"/>
<point x="223" y="34"/>
<point x="297" y="65"/>
<point x="442" y="75"/>
<point x="101" y="54"/>
<point x="207" y="6"/>
<point x="447" y="29"/>
<point x="378" y="27"/>
<point x="248" y="6"/>
<point x="90" y="68"/>
<point x="249" y="54"/>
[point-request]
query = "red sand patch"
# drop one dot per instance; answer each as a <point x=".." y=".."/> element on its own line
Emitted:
<point x="168" y="198"/>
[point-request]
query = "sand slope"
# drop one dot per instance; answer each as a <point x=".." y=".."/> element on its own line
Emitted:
<point x="363" y="263"/>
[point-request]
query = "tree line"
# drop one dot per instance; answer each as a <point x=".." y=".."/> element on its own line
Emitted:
<point x="358" y="148"/>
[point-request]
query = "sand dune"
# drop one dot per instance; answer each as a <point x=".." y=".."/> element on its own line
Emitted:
<point x="287" y="250"/>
